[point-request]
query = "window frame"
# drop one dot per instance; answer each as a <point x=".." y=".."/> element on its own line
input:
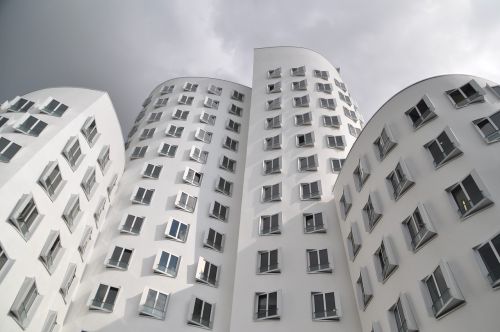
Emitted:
<point x="452" y="154"/>
<point x="335" y="316"/>
<point x="172" y="273"/>
<point x="269" y="268"/>
<point x="326" y="267"/>
<point x="167" y="153"/>
<point x="69" y="152"/>
<point x="186" y="206"/>
<point x="424" y="115"/>
<point x="477" y="97"/>
<point x="179" y="235"/>
<point x="493" y="136"/>
<point x="336" y="138"/>
<point x="273" y="197"/>
<point x="153" y="312"/>
<point x="269" y="220"/>
<point x="198" y="154"/>
<point x="93" y="301"/>
<point x="317" y="227"/>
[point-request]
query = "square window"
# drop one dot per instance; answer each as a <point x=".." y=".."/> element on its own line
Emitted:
<point x="467" y="94"/>
<point x="236" y="110"/>
<point x="185" y="201"/>
<point x="353" y="130"/>
<point x="230" y="144"/>
<point x="384" y="143"/>
<point x="185" y="100"/>
<point x="207" y="118"/>
<point x="174" y="131"/>
<point x="166" y="89"/>
<point x="272" y="166"/>
<point x="224" y="186"/>
<point x="139" y="152"/>
<point x="154" y="304"/>
<point x="331" y="121"/>
<point x="198" y="155"/>
<point x="270" y="224"/>
<point x="345" y="98"/>
<point x="337" y="164"/>
<point x="176" y="230"/>
<point x="228" y="164"/>
<point x="167" y="150"/>
<point x="166" y="264"/>
<point x="336" y="142"/>
<point x="298" y="71"/>
<point x="213" y="240"/>
<point x="142" y="196"/>
<point x="310" y="191"/>
<point x="321" y="74"/>
<point x="72" y="152"/>
<point x="191" y="87"/>
<point x="401" y="319"/>
<point x="52" y="251"/>
<point x="201" y="313"/>
<point x="271" y="193"/>
<point x="215" y="90"/>
<point x="219" y="211"/>
<point x="443" y="148"/>
<point x="304" y="119"/>
<point x="418" y="227"/>
<point x="274" y="87"/>
<point x="104" y="298"/>
<point x="151" y="171"/>
<point x="268" y="261"/>
<point x="267" y="305"/>
<point x="305" y="140"/>
<point x="20" y="105"/>
<point x="51" y="179"/>
<point x="340" y="85"/>
<point x="421" y="113"/>
<point x="272" y="143"/>
<point x="488" y="127"/>
<point x="211" y="103"/>
<point x="236" y="95"/>
<point x="324" y="87"/>
<point x="207" y="273"/>
<point x="309" y="163"/>
<point x="233" y="126"/>
<point x="132" y="224"/>
<point x="72" y="212"/>
<point x="400" y="180"/>
<point x="350" y="114"/>
<point x="274" y="104"/>
<point x="203" y="135"/>
<point x="325" y="306"/>
<point x="299" y="85"/>
<point x="119" y="258"/>
<point x="328" y="103"/>
<point x="302" y="101"/>
<point x="361" y="174"/>
<point x="489" y="254"/>
<point x="274" y="122"/>
<point x="160" y="102"/>
<point x="26" y="303"/>
<point x="385" y="260"/>
<point x="469" y="195"/>
<point x="180" y="115"/>
<point x="317" y="261"/>
<point x="313" y="223"/>
<point x="192" y="177"/>
<point x="154" y="117"/>
<point x="274" y="73"/>
<point x="89" y="184"/>
<point x="372" y="212"/>
<point x="30" y="125"/>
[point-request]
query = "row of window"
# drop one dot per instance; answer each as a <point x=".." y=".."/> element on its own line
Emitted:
<point x="302" y="85"/>
<point x="193" y="87"/>
<point x="305" y="101"/>
<point x="301" y="71"/>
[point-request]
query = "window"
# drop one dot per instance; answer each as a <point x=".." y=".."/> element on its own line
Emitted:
<point x="101" y="206"/>
<point x="317" y="261"/>
<point x="421" y="113"/>
<point x="89" y="131"/>
<point x="160" y="102"/>
<point x="167" y="150"/>
<point x="364" y="291"/>
<point x="8" y="149"/>
<point x="224" y="186"/>
<point x="299" y="85"/>
<point x="337" y="164"/>
<point x="469" y="195"/>
<point x="270" y="224"/>
<point x="274" y="122"/>
<point x="303" y="119"/>
<point x="324" y="87"/>
<point x="361" y="174"/>
<point x="51" y="251"/>
<point x="233" y="126"/>
<point x="51" y="179"/>
<point x="203" y="135"/>
<point x="274" y="73"/>
<point x="309" y="163"/>
<point x="176" y="230"/>
<point x="191" y="87"/>
<point x="228" y="164"/>
<point x="230" y="144"/>
<point x="236" y="95"/>
<point x="345" y="98"/>
<point x="167" y="89"/>
<point x="198" y="155"/>
<point x="353" y="242"/>
<point x="313" y="223"/>
<point x="120" y="258"/>
<point x="350" y="114"/>
<point x="180" y="115"/>
<point x="331" y="121"/>
<point x="321" y="74"/>
<point x="302" y="101"/>
<point x="174" y="131"/>
<point x="166" y="264"/>
<point x="53" y="107"/>
<point x="50" y="324"/>
<point x="267" y="305"/>
<point x="298" y="71"/>
<point x="327" y="103"/>
<point x="207" y="273"/>
<point x="85" y="240"/>
<point x="20" y="105"/>
<point x="3" y="120"/>
<point x="345" y="202"/>
<point x="305" y="140"/>
<point x="139" y="152"/>
<point x="142" y="196"/>
<point x="418" y="228"/>
<point x="151" y="171"/>
<point x="133" y="131"/>
<point x="132" y="224"/>
<point x="207" y="118"/>
<point x="213" y="240"/>
<point x="26" y="302"/>
<point x="443" y="294"/>
<point x="154" y="303"/>
<point x="353" y="130"/>
<point x="443" y="148"/>
<point x="219" y="211"/>
<point x="215" y="90"/>
<point x="89" y="184"/>
<point x="271" y="193"/>
<point x="272" y="143"/>
<point x="372" y="212"/>
<point x="495" y="89"/>
<point x="155" y="117"/>
<point x="236" y="110"/>
<point x="111" y="185"/>
<point x="401" y="316"/>
<point x="104" y="298"/>
<point x="385" y="260"/>
<point x="489" y="252"/>
<point x="488" y="127"/>
<point x="185" y="202"/>
<point x="201" y="313"/>
<point x="340" y="85"/>
<point x="139" y="117"/>
<point x="185" y="100"/>
<point x="71" y="212"/>
<point x="384" y="143"/>
<point x="268" y="261"/>
<point x="211" y="103"/>
<point x="192" y="177"/>
<point x="272" y="166"/>
<point x="274" y="87"/>
<point x="274" y="104"/>
<point x="103" y="158"/>
<point x="30" y="125"/>
<point x="325" y="306"/>
<point x="310" y="191"/>
<point x="400" y="180"/>
<point x="468" y="93"/>
<point x="336" y="142"/>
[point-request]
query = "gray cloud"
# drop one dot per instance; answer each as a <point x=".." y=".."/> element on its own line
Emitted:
<point x="128" y="47"/>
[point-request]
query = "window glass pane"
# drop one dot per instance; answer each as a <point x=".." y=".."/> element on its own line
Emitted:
<point x="472" y="189"/>
<point x="490" y="260"/>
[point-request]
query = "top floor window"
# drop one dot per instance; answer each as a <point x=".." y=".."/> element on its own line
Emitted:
<point x="236" y="95"/>
<point x="167" y="89"/>
<point x="489" y="127"/>
<point x="215" y="90"/>
<point x="274" y="73"/>
<point x="467" y="94"/>
<point x="469" y="195"/>
<point x="191" y="87"/>
<point x="421" y="113"/>
<point x="20" y="105"/>
<point x="400" y="180"/>
<point x="89" y="131"/>
<point x="384" y="143"/>
<point x="8" y="149"/>
<point x="321" y="74"/>
<point x="30" y="125"/>
<point x="54" y="107"/>
<point x="298" y="71"/>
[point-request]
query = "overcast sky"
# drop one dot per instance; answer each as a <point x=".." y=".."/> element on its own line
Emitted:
<point x="127" y="47"/>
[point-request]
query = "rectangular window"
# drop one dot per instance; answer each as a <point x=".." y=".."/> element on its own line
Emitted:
<point x="167" y="150"/>
<point x="51" y="179"/>
<point x="321" y="74"/>
<point x="421" y="113"/>
<point x="272" y="143"/>
<point x="26" y="302"/>
<point x="224" y="186"/>
<point x="270" y="224"/>
<point x="353" y="130"/>
<point x="274" y="87"/>
<point x="85" y="240"/>
<point x="337" y="164"/>
<point x="155" y="117"/>
<point x="400" y="180"/>
<point x="272" y="166"/>
<point x="305" y="140"/>
<point x="207" y="118"/>
<point x="385" y="260"/>
<point x="353" y="242"/>
<point x="268" y="261"/>
<point x="384" y="143"/>
<point x="489" y="252"/>
<point x="310" y="191"/>
<point x="213" y="240"/>
<point x="345" y="98"/>
<point x="443" y="148"/>
<point x="313" y="223"/>
<point x="340" y="85"/>
<point x="299" y="85"/>
<point x="345" y="202"/>
<point x="104" y="298"/>
<point x="89" y="131"/>
<point x="274" y="122"/>
<point x="302" y="101"/>
<point x="274" y="104"/>
<point x="201" y="313"/>
<point x="20" y="105"/>
<point x="30" y="125"/>
<point x="363" y="289"/>
<point x="336" y="142"/>
<point x="174" y="131"/>
<point x="328" y="103"/>
<point x="103" y="158"/>
<point x="230" y="144"/>
<point x="132" y="224"/>
<point x="467" y="94"/>
<point x="176" y="230"/>
<point x="274" y="73"/>
<point x="489" y="127"/>
<point x="151" y="171"/>
<point x="166" y="264"/>
<point x="203" y="135"/>
<point x="236" y="110"/>
<point x="326" y="306"/>
<point x="228" y="164"/>
<point x="401" y="316"/>
<point x="361" y="174"/>
<point x="192" y="177"/>
<point x="236" y="95"/>
<point x="167" y="89"/>
<point x="350" y="114"/>
<point x="271" y="193"/>
<point x="215" y="90"/>
<point x="211" y="103"/>
<point x="219" y="211"/>
<point x="191" y="87"/>
<point x="180" y="115"/>
<point x="111" y="185"/>
<point x="160" y="102"/>
<point x="3" y="120"/>
<point x="267" y="305"/>
<point x="72" y="212"/>
<point x="185" y="100"/>
<point x="469" y="195"/>
<point x="142" y="196"/>
<point x="154" y="304"/>
<point x="133" y="131"/>
<point x="298" y="71"/>
<point x="372" y="213"/>
<point x="185" y="201"/>
<point x="101" y="207"/>
<point x="304" y="119"/>
<point x="233" y="126"/>
<point x="419" y="228"/>
<point x="139" y="152"/>
<point x="317" y="261"/>
<point x="8" y="149"/>
<point x="53" y="107"/>
<point x="51" y="251"/>
<point x="331" y="121"/>
<point x="207" y="273"/>
<point x="120" y="258"/>
<point x="309" y="163"/>
<point x="324" y="87"/>
<point x="198" y="155"/>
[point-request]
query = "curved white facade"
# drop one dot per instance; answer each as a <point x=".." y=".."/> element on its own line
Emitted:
<point x="437" y="270"/>
<point x="44" y="247"/>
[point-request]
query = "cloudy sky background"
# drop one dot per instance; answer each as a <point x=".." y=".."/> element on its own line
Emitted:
<point x="127" y="47"/>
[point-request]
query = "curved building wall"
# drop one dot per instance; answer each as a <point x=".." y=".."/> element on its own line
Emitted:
<point x="447" y="189"/>
<point x="42" y="144"/>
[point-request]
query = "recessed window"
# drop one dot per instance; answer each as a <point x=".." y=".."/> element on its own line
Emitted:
<point x="166" y="89"/>
<point x="418" y="227"/>
<point x="313" y="223"/>
<point x="51" y="179"/>
<point x="152" y="171"/>
<point x="142" y="196"/>
<point x="120" y="258"/>
<point x="317" y="261"/>
<point x="53" y="107"/>
<point x="176" y="230"/>
<point x="327" y="103"/>
<point x="467" y="94"/>
<point x="167" y="150"/>
<point x="270" y="224"/>
<point x="228" y="164"/>
<point x="267" y="305"/>
<point x="305" y="140"/>
<point x="161" y="102"/>
<point x="274" y="122"/>
<point x="268" y="261"/>
<point x="271" y="193"/>
<point x="331" y="121"/>
<point x="104" y="298"/>
<point x="26" y="303"/>
<point x="219" y="211"/>
<point x="274" y="104"/>
<point x="421" y="113"/>
<point x="236" y="110"/>
<point x="154" y="304"/>
<point x="233" y="126"/>
<point x="198" y="155"/>
<point x="215" y="90"/>
<point x="52" y="251"/>
<point x="236" y="95"/>
<point x="443" y="148"/>
<point x="298" y="71"/>
<point x="72" y="212"/>
<point x="350" y="114"/>
<point x="211" y="103"/>
<point x="488" y="127"/>
<point x="185" y="202"/>
<point x="230" y="144"/>
<point x="336" y="164"/>
<point x="191" y="87"/>
<point x="309" y="163"/>
<point x="353" y="242"/>
<point x="89" y="184"/>
<point x="224" y="186"/>
<point x="340" y="85"/>
<point x="372" y="212"/>
<point x="207" y="273"/>
<point x="364" y="291"/>
<point x="30" y="125"/>
<point x="384" y="143"/>
<point x="180" y="115"/>
<point x="155" y="117"/>
<point x="139" y="152"/>
<point x="85" y="240"/>
<point x="324" y="87"/>
<point x="336" y="142"/>
<point x="201" y="313"/>
<point x="192" y="177"/>
<point x="174" y="131"/>
<point x="185" y="100"/>
<point x="101" y="206"/>
<point x="302" y="101"/>
<point x="3" y="120"/>
<point x="166" y="264"/>
<point x="132" y="224"/>
<point x="401" y="316"/>
<point x="274" y="87"/>
<point x="20" y="105"/>
<point x="489" y="252"/>
<point x="310" y="191"/>
<point x="8" y="149"/>
<point x="361" y="174"/>
<point x="213" y="240"/>
<point x="68" y="282"/>
<point x="89" y="131"/>
<point x="272" y="166"/>
<point x="203" y="135"/>
<point x="207" y="118"/>
<point x="272" y="143"/>
<point x="304" y="119"/>
<point x="469" y="195"/>
<point x="353" y="130"/>
<point x="345" y="98"/>
<point x="274" y="73"/>
<point x="103" y="159"/>
<point x="299" y="85"/>
<point x="400" y="180"/>
<point x="321" y="74"/>
<point x="385" y="260"/>
<point x="325" y="306"/>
